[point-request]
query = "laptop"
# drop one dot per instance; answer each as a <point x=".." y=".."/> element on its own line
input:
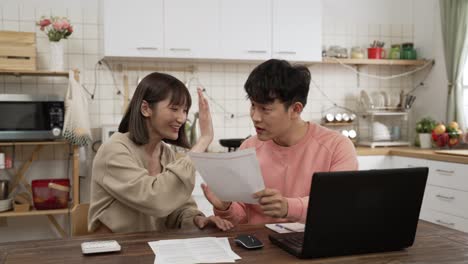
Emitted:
<point x="356" y="212"/>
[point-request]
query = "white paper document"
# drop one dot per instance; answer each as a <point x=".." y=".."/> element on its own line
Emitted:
<point x="232" y="176"/>
<point x="286" y="227"/>
<point x="193" y="250"/>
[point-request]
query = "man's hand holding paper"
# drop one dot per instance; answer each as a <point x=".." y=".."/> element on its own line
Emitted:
<point x="233" y="176"/>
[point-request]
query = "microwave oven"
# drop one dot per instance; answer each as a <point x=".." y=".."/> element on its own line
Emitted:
<point x="31" y="117"/>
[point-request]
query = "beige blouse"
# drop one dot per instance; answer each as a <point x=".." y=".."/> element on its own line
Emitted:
<point x="125" y="198"/>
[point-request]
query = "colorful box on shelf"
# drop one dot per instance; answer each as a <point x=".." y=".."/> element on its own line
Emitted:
<point x="17" y="51"/>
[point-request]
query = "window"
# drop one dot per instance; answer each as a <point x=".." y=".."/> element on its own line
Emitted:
<point x="465" y="93"/>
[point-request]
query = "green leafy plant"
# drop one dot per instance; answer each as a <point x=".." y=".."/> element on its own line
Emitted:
<point x="425" y="125"/>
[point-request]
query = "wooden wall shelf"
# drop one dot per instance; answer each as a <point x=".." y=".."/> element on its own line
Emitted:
<point x="26" y="143"/>
<point x="376" y="62"/>
<point x="19" y="177"/>
<point x="35" y="73"/>
<point x="35" y="212"/>
<point x="338" y="124"/>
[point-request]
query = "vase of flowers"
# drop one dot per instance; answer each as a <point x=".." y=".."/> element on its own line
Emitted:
<point x="56" y="29"/>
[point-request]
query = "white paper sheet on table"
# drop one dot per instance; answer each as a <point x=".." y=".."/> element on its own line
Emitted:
<point x="232" y="176"/>
<point x="286" y="227"/>
<point x="193" y="250"/>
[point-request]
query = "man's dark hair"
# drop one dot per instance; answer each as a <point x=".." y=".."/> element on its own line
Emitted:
<point x="154" y="88"/>
<point x="278" y="79"/>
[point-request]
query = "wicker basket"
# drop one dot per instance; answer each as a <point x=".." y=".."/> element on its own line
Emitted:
<point x="17" y="51"/>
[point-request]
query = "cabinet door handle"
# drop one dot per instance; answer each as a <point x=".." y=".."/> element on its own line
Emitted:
<point x="445" y="197"/>
<point x="256" y="51"/>
<point x="147" y="48"/>
<point x="445" y="223"/>
<point x="445" y="171"/>
<point x="287" y="52"/>
<point x="179" y="49"/>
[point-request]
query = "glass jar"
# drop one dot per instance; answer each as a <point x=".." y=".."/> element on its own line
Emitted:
<point x="357" y="53"/>
<point x="395" y="52"/>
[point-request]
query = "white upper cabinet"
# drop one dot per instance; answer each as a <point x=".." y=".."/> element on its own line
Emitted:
<point x="213" y="29"/>
<point x="133" y="28"/>
<point x="297" y="30"/>
<point x="191" y="28"/>
<point x="246" y="29"/>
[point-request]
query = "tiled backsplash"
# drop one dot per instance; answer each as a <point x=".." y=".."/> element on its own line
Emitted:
<point x="223" y="81"/>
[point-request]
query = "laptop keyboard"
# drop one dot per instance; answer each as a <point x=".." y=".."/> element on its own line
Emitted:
<point x="295" y="241"/>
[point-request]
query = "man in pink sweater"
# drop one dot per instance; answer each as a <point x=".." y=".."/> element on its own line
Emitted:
<point x="288" y="148"/>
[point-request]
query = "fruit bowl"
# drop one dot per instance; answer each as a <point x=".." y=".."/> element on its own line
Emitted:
<point x="447" y="136"/>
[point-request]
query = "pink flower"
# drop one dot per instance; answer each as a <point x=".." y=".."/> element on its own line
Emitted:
<point x="57" y="25"/>
<point x="70" y="29"/>
<point x="65" y="24"/>
<point x="44" y="23"/>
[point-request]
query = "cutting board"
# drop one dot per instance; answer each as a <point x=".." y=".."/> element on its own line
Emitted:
<point x="456" y="152"/>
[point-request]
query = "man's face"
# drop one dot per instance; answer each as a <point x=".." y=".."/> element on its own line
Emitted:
<point x="272" y="120"/>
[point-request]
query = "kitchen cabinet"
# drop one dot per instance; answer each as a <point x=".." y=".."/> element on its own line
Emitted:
<point x="404" y="162"/>
<point x="213" y="29"/>
<point x="446" y="195"/>
<point x="191" y="29"/>
<point x="297" y="30"/>
<point x="374" y="162"/>
<point x="246" y="29"/>
<point x="133" y="28"/>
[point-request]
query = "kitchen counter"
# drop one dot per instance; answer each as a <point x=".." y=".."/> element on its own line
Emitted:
<point x="411" y="152"/>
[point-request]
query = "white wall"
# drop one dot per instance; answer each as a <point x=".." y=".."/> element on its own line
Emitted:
<point x="346" y="23"/>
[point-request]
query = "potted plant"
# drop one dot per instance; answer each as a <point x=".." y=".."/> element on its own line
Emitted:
<point x="424" y="128"/>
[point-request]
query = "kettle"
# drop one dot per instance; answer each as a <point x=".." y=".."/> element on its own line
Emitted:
<point x="3" y="189"/>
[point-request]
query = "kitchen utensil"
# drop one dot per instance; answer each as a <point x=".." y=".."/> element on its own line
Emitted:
<point x="366" y="101"/>
<point x="345" y="117"/>
<point x="378" y="99"/>
<point x="344" y="133"/>
<point x="352" y="134"/>
<point x="2" y="160"/>
<point x="413" y="97"/>
<point x="6" y="204"/>
<point x="329" y="117"/>
<point x="386" y="98"/>
<point x="3" y="189"/>
<point x="338" y="117"/>
<point x="376" y="53"/>
<point x="380" y="132"/>
<point x="232" y="143"/>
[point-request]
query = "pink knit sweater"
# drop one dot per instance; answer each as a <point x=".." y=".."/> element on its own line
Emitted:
<point x="290" y="170"/>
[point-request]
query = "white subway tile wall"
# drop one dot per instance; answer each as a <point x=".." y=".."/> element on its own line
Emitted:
<point x="223" y="81"/>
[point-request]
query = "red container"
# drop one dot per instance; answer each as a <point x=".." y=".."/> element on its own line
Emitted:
<point x="376" y="53"/>
<point x="50" y="193"/>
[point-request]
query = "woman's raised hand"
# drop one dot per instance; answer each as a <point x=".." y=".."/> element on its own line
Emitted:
<point x="205" y="122"/>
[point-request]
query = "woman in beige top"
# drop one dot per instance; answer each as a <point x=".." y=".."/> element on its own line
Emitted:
<point x="137" y="183"/>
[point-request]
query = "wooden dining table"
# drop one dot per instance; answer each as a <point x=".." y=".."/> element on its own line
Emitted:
<point x="433" y="244"/>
